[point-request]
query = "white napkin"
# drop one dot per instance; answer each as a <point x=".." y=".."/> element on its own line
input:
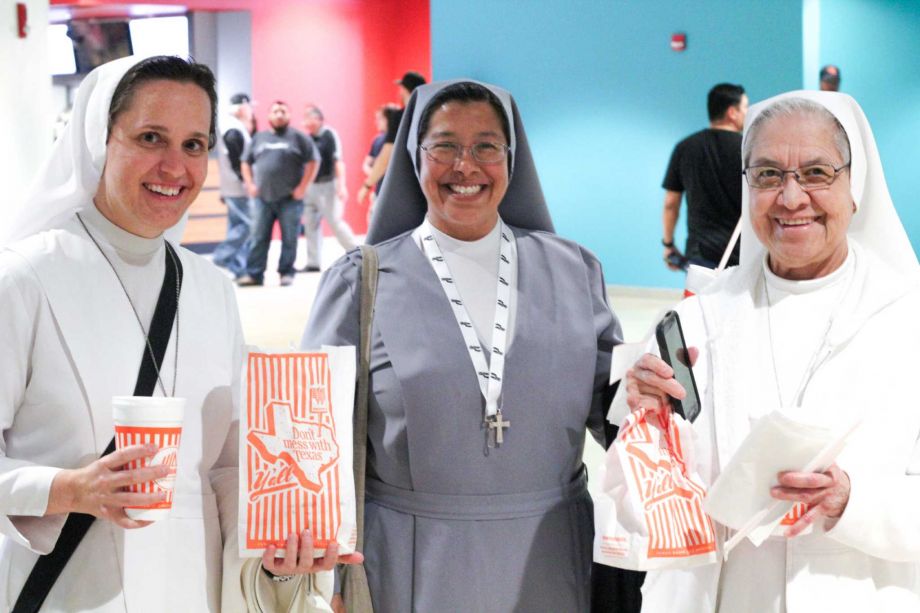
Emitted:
<point x="740" y="497"/>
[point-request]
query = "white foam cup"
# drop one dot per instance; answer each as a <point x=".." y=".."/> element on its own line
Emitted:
<point x="142" y="420"/>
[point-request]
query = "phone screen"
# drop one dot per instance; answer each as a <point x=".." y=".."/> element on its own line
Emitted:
<point x="674" y="351"/>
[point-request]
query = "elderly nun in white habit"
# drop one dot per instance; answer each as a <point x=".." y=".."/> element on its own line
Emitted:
<point x="819" y="319"/>
<point x="83" y="266"/>
<point x="490" y="355"/>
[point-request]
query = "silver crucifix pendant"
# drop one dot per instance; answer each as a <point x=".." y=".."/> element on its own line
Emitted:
<point x="496" y="428"/>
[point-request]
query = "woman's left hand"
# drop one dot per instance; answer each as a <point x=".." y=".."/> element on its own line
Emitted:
<point x="826" y="494"/>
<point x="298" y="557"/>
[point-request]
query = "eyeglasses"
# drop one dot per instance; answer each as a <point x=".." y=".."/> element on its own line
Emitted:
<point x="814" y="176"/>
<point x="448" y="153"/>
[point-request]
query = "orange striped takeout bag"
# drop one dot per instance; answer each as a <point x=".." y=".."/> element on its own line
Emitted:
<point x="296" y="449"/>
<point x="649" y="514"/>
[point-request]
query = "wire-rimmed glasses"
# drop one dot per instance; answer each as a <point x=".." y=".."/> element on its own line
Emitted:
<point x="485" y="152"/>
<point x="812" y="176"/>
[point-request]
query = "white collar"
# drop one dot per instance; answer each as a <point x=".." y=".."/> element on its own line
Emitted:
<point x="123" y="241"/>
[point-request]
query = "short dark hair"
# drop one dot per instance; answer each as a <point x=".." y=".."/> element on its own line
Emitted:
<point x="164" y="68"/>
<point x="465" y="91"/>
<point x="315" y="110"/>
<point x="721" y="98"/>
<point x="830" y="74"/>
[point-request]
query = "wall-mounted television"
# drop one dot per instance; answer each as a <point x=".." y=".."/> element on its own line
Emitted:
<point x="79" y="45"/>
<point x="98" y="42"/>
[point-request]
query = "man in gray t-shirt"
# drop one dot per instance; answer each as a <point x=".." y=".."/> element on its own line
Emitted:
<point x="278" y="166"/>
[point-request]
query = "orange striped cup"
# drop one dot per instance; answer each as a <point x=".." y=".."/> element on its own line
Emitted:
<point x="142" y="420"/>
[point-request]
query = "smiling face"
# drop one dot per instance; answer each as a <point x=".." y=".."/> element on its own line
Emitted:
<point x="463" y="196"/>
<point x="805" y="232"/>
<point x="156" y="157"/>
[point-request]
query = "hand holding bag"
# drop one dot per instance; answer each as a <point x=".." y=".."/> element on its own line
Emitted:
<point x="650" y="513"/>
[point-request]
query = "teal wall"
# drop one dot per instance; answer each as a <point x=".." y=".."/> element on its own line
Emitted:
<point x="877" y="46"/>
<point x="604" y="99"/>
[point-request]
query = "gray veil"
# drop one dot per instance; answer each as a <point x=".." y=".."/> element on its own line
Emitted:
<point x="401" y="205"/>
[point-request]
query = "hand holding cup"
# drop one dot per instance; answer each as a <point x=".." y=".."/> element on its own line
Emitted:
<point x="98" y="489"/>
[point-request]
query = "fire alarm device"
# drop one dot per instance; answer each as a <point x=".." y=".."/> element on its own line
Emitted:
<point x="678" y="41"/>
<point x="22" y="20"/>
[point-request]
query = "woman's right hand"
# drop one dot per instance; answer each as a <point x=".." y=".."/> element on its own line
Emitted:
<point x="650" y="381"/>
<point x="98" y="489"/>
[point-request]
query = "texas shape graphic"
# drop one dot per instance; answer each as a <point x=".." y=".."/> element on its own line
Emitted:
<point x="308" y="448"/>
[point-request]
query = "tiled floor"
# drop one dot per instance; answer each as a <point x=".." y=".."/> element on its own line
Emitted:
<point x="274" y="316"/>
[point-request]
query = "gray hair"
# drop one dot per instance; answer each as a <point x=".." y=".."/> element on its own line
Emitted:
<point x="788" y="107"/>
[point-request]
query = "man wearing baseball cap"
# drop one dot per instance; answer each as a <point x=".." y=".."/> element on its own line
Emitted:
<point x="407" y="85"/>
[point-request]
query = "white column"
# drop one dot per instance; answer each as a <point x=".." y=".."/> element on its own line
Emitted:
<point x="26" y="116"/>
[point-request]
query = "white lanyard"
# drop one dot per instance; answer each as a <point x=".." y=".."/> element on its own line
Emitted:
<point x="489" y="376"/>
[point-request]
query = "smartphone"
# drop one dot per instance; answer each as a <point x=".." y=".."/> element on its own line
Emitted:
<point x="678" y="261"/>
<point x="674" y="351"/>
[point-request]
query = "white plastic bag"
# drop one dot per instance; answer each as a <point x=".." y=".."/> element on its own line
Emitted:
<point x="650" y="513"/>
<point x="296" y="449"/>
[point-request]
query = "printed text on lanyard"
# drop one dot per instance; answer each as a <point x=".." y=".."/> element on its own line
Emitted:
<point x="489" y="375"/>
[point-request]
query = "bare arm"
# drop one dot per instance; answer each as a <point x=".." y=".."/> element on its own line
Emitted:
<point x="377" y="171"/>
<point x="669" y="221"/>
<point x="341" y="187"/>
<point x="367" y="165"/>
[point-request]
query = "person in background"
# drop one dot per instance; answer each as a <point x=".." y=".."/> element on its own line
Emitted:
<point x="233" y="252"/>
<point x="277" y="168"/>
<point x="407" y="85"/>
<point x="97" y="301"/>
<point x="381" y="121"/>
<point x="476" y="494"/>
<point x="328" y="193"/>
<point x="829" y="78"/>
<point x="706" y="166"/>
<point x="819" y="321"/>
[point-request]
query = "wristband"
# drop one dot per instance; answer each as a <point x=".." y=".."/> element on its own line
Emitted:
<point x="668" y="245"/>
<point x="276" y="578"/>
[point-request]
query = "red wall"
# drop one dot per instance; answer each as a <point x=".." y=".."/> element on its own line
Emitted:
<point x="342" y="55"/>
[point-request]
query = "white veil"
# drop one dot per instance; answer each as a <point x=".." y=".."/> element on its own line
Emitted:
<point x="70" y="177"/>
<point x="875" y="225"/>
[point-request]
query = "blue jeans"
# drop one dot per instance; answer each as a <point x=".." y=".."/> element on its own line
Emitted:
<point x="287" y="211"/>
<point x="232" y="253"/>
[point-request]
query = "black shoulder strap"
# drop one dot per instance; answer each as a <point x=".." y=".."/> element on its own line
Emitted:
<point x="48" y="567"/>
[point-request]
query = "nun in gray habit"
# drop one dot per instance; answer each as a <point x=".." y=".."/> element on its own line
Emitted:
<point x="491" y="347"/>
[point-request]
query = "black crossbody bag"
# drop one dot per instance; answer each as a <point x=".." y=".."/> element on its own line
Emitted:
<point x="48" y="567"/>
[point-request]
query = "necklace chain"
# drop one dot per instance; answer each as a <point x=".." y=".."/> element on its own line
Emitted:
<point x="800" y="388"/>
<point x="138" y="317"/>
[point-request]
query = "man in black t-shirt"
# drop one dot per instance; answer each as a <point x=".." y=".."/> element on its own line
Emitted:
<point x="278" y="166"/>
<point x="707" y="166"/>
<point x="327" y="195"/>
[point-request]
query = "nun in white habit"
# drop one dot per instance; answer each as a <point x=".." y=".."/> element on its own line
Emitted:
<point x="81" y="267"/>
<point x="820" y="319"/>
<point x="491" y="347"/>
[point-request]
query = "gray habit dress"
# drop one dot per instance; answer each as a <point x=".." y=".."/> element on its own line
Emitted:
<point x="451" y="525"/>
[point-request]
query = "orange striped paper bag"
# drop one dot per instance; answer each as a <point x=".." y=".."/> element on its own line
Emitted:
<point x="650" y="514"/>
<point x="296" y="449"/>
